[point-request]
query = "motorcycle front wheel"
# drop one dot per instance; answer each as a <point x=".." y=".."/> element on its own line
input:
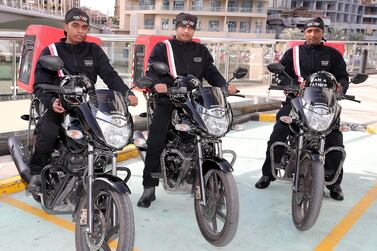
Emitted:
<point x="110" y="233"/>
<point x="307" y="200"/>
<point x="218" y="220"/>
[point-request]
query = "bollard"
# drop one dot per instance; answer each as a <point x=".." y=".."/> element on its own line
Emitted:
<point x="363" y="63"/>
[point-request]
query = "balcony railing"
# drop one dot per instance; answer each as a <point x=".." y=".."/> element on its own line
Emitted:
<point x="196" y="8"/>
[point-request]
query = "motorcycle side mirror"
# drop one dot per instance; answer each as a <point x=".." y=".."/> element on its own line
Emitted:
<point x="239" y="73"/>
<point x="159" y="68"/>
<point x="52" y="63"/>
<point x="359" y="78"/>
<point x="144" y="82"/>
<point x="276" y="68"/>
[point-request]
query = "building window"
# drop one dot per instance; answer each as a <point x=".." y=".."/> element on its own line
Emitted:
<point x="198" y="25"/>
<point x="215" y="5"/>
<point x="179" y="4"/>
<point x="258" y="27"/>
<point x="197" y="5"/>
<point x="149" y="23"/>
<point x="232" y="26"/>
<point x="146" y="4"/>
<point x="165" y="23"/>
<point x="260" y="7"/>
<point x="245" y="27"/>
<point x="165" y="4"/>
<point x="233" y="6"/>
<point x="213" y="25"/>
<point x="246" y="6"/>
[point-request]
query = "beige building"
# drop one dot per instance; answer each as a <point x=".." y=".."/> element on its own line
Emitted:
<point x="58" y="7"/>
<point x="216" y="18"/>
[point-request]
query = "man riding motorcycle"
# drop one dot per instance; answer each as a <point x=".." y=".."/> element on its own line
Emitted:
<point x="189" y="58"/>
<point x="300" y="62"/>
<point x="79" y="57"/>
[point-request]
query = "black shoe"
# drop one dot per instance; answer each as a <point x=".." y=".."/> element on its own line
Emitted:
<point x="336" y="192"/>
<point x="35" y="185"/>
<point x="263" y="182"/>
<point x="148" y="196"/>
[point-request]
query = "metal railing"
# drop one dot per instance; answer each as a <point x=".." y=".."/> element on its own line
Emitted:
<point x="227" y="53"/>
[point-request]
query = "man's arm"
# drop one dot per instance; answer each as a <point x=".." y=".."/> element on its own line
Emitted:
<point x="158" y="54"/>
<point x="210" y="72"/>
<point x="287" y="62"/>
<point x="107" y="72"/>
<point x="339" y="70"/>
<point x="44" y="76"/>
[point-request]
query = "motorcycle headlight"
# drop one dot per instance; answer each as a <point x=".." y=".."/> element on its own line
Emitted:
<point x="319" y="118"/>
<point x="217" y="120"/>
<point x="116" y="129"/>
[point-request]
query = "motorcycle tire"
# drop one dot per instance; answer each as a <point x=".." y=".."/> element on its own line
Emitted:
<point x="124" y="230"/>
<point x="221" y="188"/>
<point x="307" y="200"/>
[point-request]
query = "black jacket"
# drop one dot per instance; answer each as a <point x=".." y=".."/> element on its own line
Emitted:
<point x="85" y="58"/>
<point x="313" y="59"/>
<point x="190" y="58"/>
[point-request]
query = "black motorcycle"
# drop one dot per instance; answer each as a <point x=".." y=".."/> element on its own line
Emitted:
<point x="315" y="113"/>
<point x="97" y="124"/>
<point x="192" y="160"/>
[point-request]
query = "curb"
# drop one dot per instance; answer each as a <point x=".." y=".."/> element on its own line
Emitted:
<point x="371" y="129"/>
<point x="16" y="184"/>
<point x="11" y="185"/>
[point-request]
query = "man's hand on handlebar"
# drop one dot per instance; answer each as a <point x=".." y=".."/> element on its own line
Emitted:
<point x="232" y="89"/>
<point x="161" y="88"/>
<point x="133" y="100"/>
<point x="57" y="107"/>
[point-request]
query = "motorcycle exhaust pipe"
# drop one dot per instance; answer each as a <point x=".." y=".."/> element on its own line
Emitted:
<point x="20" y="156"/>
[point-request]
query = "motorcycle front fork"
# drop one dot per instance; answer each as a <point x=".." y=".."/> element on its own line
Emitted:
<point x="300" y="143"/>
<point x="218" y="153"/>
<point x="90" y="206"/>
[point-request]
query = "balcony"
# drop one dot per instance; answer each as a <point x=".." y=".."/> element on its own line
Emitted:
<point x="233" y="10"/>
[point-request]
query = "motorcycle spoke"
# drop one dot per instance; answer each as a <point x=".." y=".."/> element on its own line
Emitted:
<point x="214" y="224"/>
<point x="221" y="216"/>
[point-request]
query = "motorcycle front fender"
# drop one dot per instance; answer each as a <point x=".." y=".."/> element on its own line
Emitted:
<point x="217" y="163"/>
<point x="110" y="182"/>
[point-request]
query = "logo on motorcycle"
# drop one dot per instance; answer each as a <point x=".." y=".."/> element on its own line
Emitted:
<point x="197" y="59"/>
<point x="324" y="63"/>
<point x="88" y="62"/>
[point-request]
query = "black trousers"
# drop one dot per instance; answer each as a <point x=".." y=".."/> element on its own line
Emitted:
<point x="47" y="134"/>
<point x="157" y="139"/>
<point x="281" y="132"/>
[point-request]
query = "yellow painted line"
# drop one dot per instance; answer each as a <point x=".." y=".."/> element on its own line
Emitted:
<point x="267" y="117"/>
<point x="67" y="225"/>
<point x="39" y="213"/>
<point x="11" y="185"/>
<point x="337" y="233"/>
<point x="371" y="129"/>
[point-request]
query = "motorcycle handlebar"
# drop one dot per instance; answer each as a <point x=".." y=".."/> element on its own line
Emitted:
<point x="60" y="90"/>
<point x="350" y="98"/>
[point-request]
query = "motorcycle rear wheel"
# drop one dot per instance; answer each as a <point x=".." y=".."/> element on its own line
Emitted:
<point x="218" y="220"/>
<point x="306" y="202"/>
<point x="105" y="237"/>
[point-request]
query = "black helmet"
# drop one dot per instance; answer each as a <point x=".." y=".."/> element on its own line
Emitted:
<point x="322" y="79"/>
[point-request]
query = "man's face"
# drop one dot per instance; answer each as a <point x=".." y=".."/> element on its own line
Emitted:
<point x="76" y="31"/>
<point x="184" y="33"/>
<point x="313" y="35"/>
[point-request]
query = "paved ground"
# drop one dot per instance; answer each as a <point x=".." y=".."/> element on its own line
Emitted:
<point x="265" y="218"/>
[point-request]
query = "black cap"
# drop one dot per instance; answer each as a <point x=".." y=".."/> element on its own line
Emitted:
<point x="76" y="14"/>
<point x="186" y="19"/>
<point x="315" y="22"/>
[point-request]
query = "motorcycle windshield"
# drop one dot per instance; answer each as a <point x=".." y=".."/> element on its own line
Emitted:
<point x="209" y="97"/>
<point x="108" y="102"/>
<point x="318" y="96"/>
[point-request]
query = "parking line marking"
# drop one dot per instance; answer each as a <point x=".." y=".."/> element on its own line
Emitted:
<point x="51" y="218"/>
<point x="337" y="233"/>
